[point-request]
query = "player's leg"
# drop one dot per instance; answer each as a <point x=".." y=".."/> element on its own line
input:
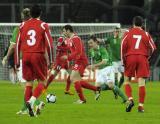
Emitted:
<point x="68" y="85"/>
<point x="142" y="71"/>
<point x="75" y="78"/>
<point x="117" y="90"/>
<point x="116" y="84"/>
<point x="142" y="94"/>
<point x="121" y="70"/>
<point x="52" y="75"/>
<point x="121" y="81"/>
<point x="39" y="71"/>
<point x="128" y="92"/>
<point x="130" y="70"/>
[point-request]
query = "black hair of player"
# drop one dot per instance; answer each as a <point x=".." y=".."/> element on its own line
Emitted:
<point x="36" y="11"/>
<point x="68" y="27"/>
<point x="138" y="21"/>
<point x="93" y="37"/>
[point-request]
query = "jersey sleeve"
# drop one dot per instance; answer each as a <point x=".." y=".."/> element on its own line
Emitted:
<point x="14" y="35"/>
<point x="151" y="43"/>
<point x="124" y="46"/>
<point x="77" y="44"/>
<point x="17" y="49"/>
<point x="48" y="41"/>
<point x="105" y="55"/>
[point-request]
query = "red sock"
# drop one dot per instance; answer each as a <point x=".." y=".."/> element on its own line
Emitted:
<point x="50" y="80"/>
<point x="38" y="90"/>
<point x="128" y="91"/>
<point x="86" y="85"/>
<point x="78" y="88"/>
<point x="28" y="93"/>
<point x="142" y="94"/>
<point x="68" y="83"/>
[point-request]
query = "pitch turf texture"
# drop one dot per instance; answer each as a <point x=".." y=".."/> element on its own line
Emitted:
<point x="105" y="111"/>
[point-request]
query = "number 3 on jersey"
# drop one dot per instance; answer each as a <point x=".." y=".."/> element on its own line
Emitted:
<point x="138" y="40"/>
<point x="32" y="39"/>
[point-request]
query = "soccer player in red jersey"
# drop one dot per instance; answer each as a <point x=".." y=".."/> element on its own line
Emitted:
<point x="33" y="40"/>
<point x="61" y="49"/>
<point x="80" y="60"/>
<point x="136" y="48"/>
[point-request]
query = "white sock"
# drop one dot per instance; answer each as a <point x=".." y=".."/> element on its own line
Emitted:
<point x="32" y="100"/>
<point x="141" y="104"/>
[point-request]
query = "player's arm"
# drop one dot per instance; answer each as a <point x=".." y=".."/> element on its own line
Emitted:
<point x="78" y="49"/>
<point x="49" y="42"/>
<point x="105" y="58"/>
<point x="17" y="50"/>
<point x="11" y="47"/>
<point x="151" y="44"/>
<point x="124" y="47"/>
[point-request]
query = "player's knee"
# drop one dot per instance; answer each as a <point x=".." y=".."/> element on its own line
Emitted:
<point x="126" y="80"/>
<point x="141" y="82"/>
<point x="111" y="85"/>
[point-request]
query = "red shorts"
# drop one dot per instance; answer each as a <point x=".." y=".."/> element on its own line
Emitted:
<point x="59" y="65"/>
<point x="136" y="66"/>
<point x="34" y="66"/>
<point x="80" y="67"/>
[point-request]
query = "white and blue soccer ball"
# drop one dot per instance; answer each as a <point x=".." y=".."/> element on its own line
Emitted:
<point x="51" y="98"/>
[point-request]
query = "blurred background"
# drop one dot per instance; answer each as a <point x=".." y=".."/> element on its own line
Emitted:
<point x="91" y="11"/>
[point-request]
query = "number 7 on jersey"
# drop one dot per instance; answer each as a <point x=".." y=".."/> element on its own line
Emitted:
<point x="138" y="40"/>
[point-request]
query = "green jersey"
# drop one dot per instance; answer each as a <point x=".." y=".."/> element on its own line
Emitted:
<point x="99" y="55"/>
<point x="14" y="35"/>
<point x="114" y="48"/>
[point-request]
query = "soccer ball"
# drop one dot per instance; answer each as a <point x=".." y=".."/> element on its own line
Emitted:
<point x="51" y="98"/>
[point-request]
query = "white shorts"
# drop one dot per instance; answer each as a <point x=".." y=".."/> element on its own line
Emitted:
<point x="118" y="66"/>
<point x="105" y="75"/>
<point x="19" y="74"/>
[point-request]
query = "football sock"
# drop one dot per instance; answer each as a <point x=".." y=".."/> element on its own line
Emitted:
<point x="128" y="91"/>
<point x="32" y="100"/>
<point x="116" y="79"/>
<point x="68" y="84"/>
<point x="86" y="85"/>
<point x="120" y="93"/>
<point x="49" y="80"/>
<point x="38" y="90"/>
<point x="78" y="89"/>
<point x="121" y="81"/>
<point x="142" y="94"/>
<point x="28" y="93"/>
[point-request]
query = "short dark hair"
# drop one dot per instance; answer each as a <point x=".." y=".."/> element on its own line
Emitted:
<point x="94" y="38"/>
<point x="138" y="21"/>
<point x="36" y="11"/>
<point x="68" y="27"/>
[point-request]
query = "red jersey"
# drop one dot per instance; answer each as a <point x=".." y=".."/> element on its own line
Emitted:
<point x="77" y="50"/>
<point x="137" y="42"/>
<point x="34" y="37"/>
<point x="62" y="48"/>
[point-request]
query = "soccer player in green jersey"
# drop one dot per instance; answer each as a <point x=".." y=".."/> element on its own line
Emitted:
<point x="105" y="75"/>
<point x="113" y="46"/>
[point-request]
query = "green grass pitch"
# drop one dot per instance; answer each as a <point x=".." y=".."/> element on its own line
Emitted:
<point x="105" y="111"/>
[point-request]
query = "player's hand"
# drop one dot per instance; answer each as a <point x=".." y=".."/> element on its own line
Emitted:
<point x="16" y="66"/>
<point x="4" y="61"/>
<point x="64" y="57"/>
